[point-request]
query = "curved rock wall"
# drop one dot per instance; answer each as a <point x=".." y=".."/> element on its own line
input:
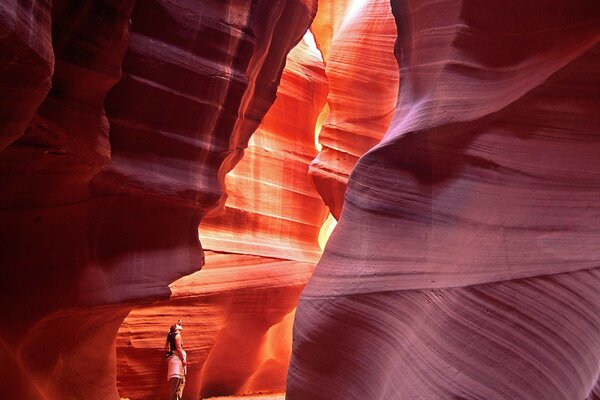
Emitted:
<point x="363" y="87"/>
<point x="46" y="203"/>
<point x="465" y="261"/>
<point x="27" y="64"/>
<point x="101" y="213"/>
<point x="238" y="311"/>
<point x="272" y="209"/>
<point x="237" y="315"/>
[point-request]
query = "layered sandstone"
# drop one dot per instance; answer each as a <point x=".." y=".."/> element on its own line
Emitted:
<point x="27" y="64"/>
<point x="358" y="42"/>
<point x="465" y="262"/>
<point x="46" y="203"/>
<point x="237" y="315"/>
<point x="272" y="209"/>
<point x="238" y="311"/>
<point x="101" y="208"/>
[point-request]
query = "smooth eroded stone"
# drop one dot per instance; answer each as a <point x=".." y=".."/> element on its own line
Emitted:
<point x="363" y="89"/>
<point x="465" y="261"/>
<point x="272" y="209"/>
<point x="237" y="315"/>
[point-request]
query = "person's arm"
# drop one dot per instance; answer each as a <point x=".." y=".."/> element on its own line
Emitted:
<point x="179" y="349"/>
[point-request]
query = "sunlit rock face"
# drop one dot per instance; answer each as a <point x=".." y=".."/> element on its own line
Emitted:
<point x="238" y="311"/>
<point x="465" y="262"/>
<point x="358" y="41"/>
<point x="237" y="316"/>
<point x="272" y="209"/>
<point x="105" y="179"/>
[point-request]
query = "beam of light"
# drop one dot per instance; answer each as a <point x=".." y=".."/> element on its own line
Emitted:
<point x="319" y="125"/>
<point x="326" y="230"/>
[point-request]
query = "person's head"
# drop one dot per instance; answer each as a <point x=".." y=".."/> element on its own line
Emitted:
<point x="176" y="327"/>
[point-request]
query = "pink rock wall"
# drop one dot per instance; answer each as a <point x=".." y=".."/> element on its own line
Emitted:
<point x="465" y="262"/>
<point x="102" y="212"/>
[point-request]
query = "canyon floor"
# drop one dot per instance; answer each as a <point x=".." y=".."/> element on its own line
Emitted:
<point x="278" y="396"/>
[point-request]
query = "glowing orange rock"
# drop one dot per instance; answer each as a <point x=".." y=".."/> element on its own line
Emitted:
<point x="272" y="209"/>
<point x="363" y="87"/>
<point x="237" y="314"/>
<point x="238" y="311"/>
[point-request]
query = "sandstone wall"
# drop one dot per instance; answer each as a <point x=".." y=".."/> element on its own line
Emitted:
<point x="465" y="261"/>
<point x="106" y="175"/>
<point x="238" y="310"/>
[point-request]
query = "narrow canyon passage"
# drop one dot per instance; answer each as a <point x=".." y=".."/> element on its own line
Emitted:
<point x="262" y="247"/>
<point x="260" y="250"/>
<point x="176" y="159"/>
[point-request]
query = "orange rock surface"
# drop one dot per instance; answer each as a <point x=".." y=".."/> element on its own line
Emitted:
<point x="238" y="311"/>
<point x="363" y="87"/>
<point x="237" y="315"/>
<point x="272" y="209"/>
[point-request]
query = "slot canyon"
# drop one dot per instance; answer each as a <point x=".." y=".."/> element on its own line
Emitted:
<point x="340" y="199"/>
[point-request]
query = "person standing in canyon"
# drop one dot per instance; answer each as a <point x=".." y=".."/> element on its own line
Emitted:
<point x="177" y="361"/>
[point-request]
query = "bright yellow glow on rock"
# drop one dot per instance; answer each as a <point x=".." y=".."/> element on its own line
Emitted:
<point x="319" y="125"/>
<point x="326" y="230"/>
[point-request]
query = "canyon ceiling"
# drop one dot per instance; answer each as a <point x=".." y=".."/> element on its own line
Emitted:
<point x="184" y="159"/>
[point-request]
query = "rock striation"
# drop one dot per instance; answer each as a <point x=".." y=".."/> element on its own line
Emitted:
<point x="238" y="310"/>
<point x="272" y="209"/>
<point x="237" y="315"/>
<point x="465" y="260"/>
<point x="105" y="176"/>
<point x="358" y="44"/>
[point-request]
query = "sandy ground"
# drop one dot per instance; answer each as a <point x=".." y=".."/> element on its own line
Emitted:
<point x="279" y="396"/>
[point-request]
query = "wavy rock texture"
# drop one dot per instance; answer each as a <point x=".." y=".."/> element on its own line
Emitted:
<point x="238" y="310"/>
<point x="363" y="89"/>
<point x="27" y="64"/>
<point x="465" y="263"/>
<point x="102" y="211"/>
<point x="237" y="315"/>
<point x="272" y="209"/>
<point x="52" y="347"/>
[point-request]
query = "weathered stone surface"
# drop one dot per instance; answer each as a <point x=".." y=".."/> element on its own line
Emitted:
<point x="237" y="315"/>
<point x="272" y="209"/>
<point x="102" y="211"/>
<point x="363" y="88"/>
<point x="238" y="310"/>
<point x="465" y="261"/>
<point x="51" y="342"/>
<point x="27" y="64"/>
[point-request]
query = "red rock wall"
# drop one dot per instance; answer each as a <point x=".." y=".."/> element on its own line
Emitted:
<point x="237" y="315"/>
<point x="465" y="262"/>
<point x="238" y="311"/>
<point x="272" y="208"/>
<point x="46" y="203"/>
<point x="101" y="211"/>
<point x="27" y="64"/>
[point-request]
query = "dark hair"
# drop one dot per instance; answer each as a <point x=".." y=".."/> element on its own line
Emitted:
<point x="173" y="328"/>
